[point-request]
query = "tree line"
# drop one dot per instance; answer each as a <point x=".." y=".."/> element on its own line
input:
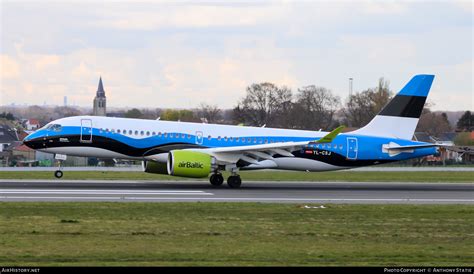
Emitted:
<point x="267" y="104"/>
<point x="309" y="107"/>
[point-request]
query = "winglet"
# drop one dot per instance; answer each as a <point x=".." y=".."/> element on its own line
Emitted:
<point x="331" y="135"/>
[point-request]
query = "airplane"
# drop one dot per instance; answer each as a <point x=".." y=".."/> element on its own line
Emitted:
<point x="198" y="150"/>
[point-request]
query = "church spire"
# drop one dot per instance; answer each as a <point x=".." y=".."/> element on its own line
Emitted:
<point x="100" y="101"/>
<point x="100" y="89"/>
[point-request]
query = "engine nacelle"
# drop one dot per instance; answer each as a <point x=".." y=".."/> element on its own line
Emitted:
<point x="154" y="167"/>
<point x="191" y="164"/>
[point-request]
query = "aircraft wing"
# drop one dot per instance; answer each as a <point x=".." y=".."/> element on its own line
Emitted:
<point x="253" y="154"/>
<point x="256" y="153"/>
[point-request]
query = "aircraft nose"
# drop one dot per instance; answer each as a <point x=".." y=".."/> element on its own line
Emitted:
<point x="32" y="141"/>
<point x="27" y="141"/>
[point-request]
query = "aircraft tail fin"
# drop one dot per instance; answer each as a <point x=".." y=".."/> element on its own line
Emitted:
<point x="399" y="118"/>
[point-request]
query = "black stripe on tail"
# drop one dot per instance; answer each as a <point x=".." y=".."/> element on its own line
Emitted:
<point x="404" y="106"/>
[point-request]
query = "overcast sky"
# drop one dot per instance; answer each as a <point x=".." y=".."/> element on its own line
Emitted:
<point x="178" y="54"/>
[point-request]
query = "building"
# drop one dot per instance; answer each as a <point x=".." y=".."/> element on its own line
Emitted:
<point x="21" y="155"/>
<point x="32" y="124"/>
<point x="100" y="101"/>
<point x="8" y="135"/>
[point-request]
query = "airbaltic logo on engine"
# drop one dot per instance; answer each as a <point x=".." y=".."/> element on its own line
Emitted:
<point x="191" y="165"/>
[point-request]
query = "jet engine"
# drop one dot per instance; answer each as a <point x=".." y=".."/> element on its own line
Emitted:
<point x="192" y="164"/>
<point x="154" y="167"/>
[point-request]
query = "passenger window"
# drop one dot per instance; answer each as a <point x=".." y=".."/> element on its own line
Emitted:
<point x="107" y="130"/>
<point x="147" y="133"/>
<point x="153" y="133"/>
<point x="165" y="135"/>
<point x="118" y="130"/>
<point x="225" y="138"/>
<point x="218" y="138"/>
<point x="136" y="132"/>
<point x="189" y="136"/>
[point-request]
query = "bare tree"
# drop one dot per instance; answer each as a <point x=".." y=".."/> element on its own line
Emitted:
<point x="433" y="123"/>
<point x="315" y="108"/>
<point x="264" y="104"/>
<point x="363" y="106"/>
<point x="211" y="114"/>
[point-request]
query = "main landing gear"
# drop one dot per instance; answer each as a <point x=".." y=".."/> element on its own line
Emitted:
<point x="233" y="181"/>
<point x="216" y="179"/>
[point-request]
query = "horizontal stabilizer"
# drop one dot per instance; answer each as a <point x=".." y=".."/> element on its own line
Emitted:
<point x="394" y="149"/>
<point x="394" y="146"/>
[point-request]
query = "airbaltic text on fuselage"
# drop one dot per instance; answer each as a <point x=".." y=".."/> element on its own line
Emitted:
<point x="191" y="165"/>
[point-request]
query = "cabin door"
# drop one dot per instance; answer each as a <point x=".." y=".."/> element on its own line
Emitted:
<point x="352" y="148"/>
<point x="199" y="137"/>
<point x="86" y="131"/>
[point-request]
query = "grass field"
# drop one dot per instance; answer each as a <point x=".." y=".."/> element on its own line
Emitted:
<point x="346" y="176"/>
<point x="46" y="234"/>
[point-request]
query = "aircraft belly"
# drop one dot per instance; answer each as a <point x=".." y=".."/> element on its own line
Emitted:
<point x="88" y="152"/>
<point x="293" y="163"/>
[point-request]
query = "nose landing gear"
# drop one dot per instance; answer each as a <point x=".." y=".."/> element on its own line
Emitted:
<point x="58" y="174"/>
<point x="60" y="157"/>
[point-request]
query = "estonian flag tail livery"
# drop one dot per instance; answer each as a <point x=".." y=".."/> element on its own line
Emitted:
<point x="399" y="118"/>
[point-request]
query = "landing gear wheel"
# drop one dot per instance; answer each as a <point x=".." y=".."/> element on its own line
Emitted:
<point x="58" y="174"/>
<point x="216" y="179"/>
<point x="234" y="181"/>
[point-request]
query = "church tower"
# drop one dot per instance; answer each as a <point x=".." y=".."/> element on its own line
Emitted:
<point x="100" y="101"/>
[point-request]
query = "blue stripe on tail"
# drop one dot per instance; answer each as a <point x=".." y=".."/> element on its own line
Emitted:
<point x="418" y="86"/>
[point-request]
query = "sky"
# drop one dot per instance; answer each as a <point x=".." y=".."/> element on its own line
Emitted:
<point x="178" y="54"/>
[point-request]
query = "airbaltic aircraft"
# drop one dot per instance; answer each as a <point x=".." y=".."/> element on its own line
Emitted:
<point x="197" y="150"/>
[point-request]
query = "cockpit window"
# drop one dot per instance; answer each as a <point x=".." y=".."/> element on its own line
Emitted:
<point x="56" y="127"/>
<point x="53" y="127"/>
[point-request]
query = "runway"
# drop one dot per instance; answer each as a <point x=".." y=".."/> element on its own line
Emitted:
<point x="251" y="191"/>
